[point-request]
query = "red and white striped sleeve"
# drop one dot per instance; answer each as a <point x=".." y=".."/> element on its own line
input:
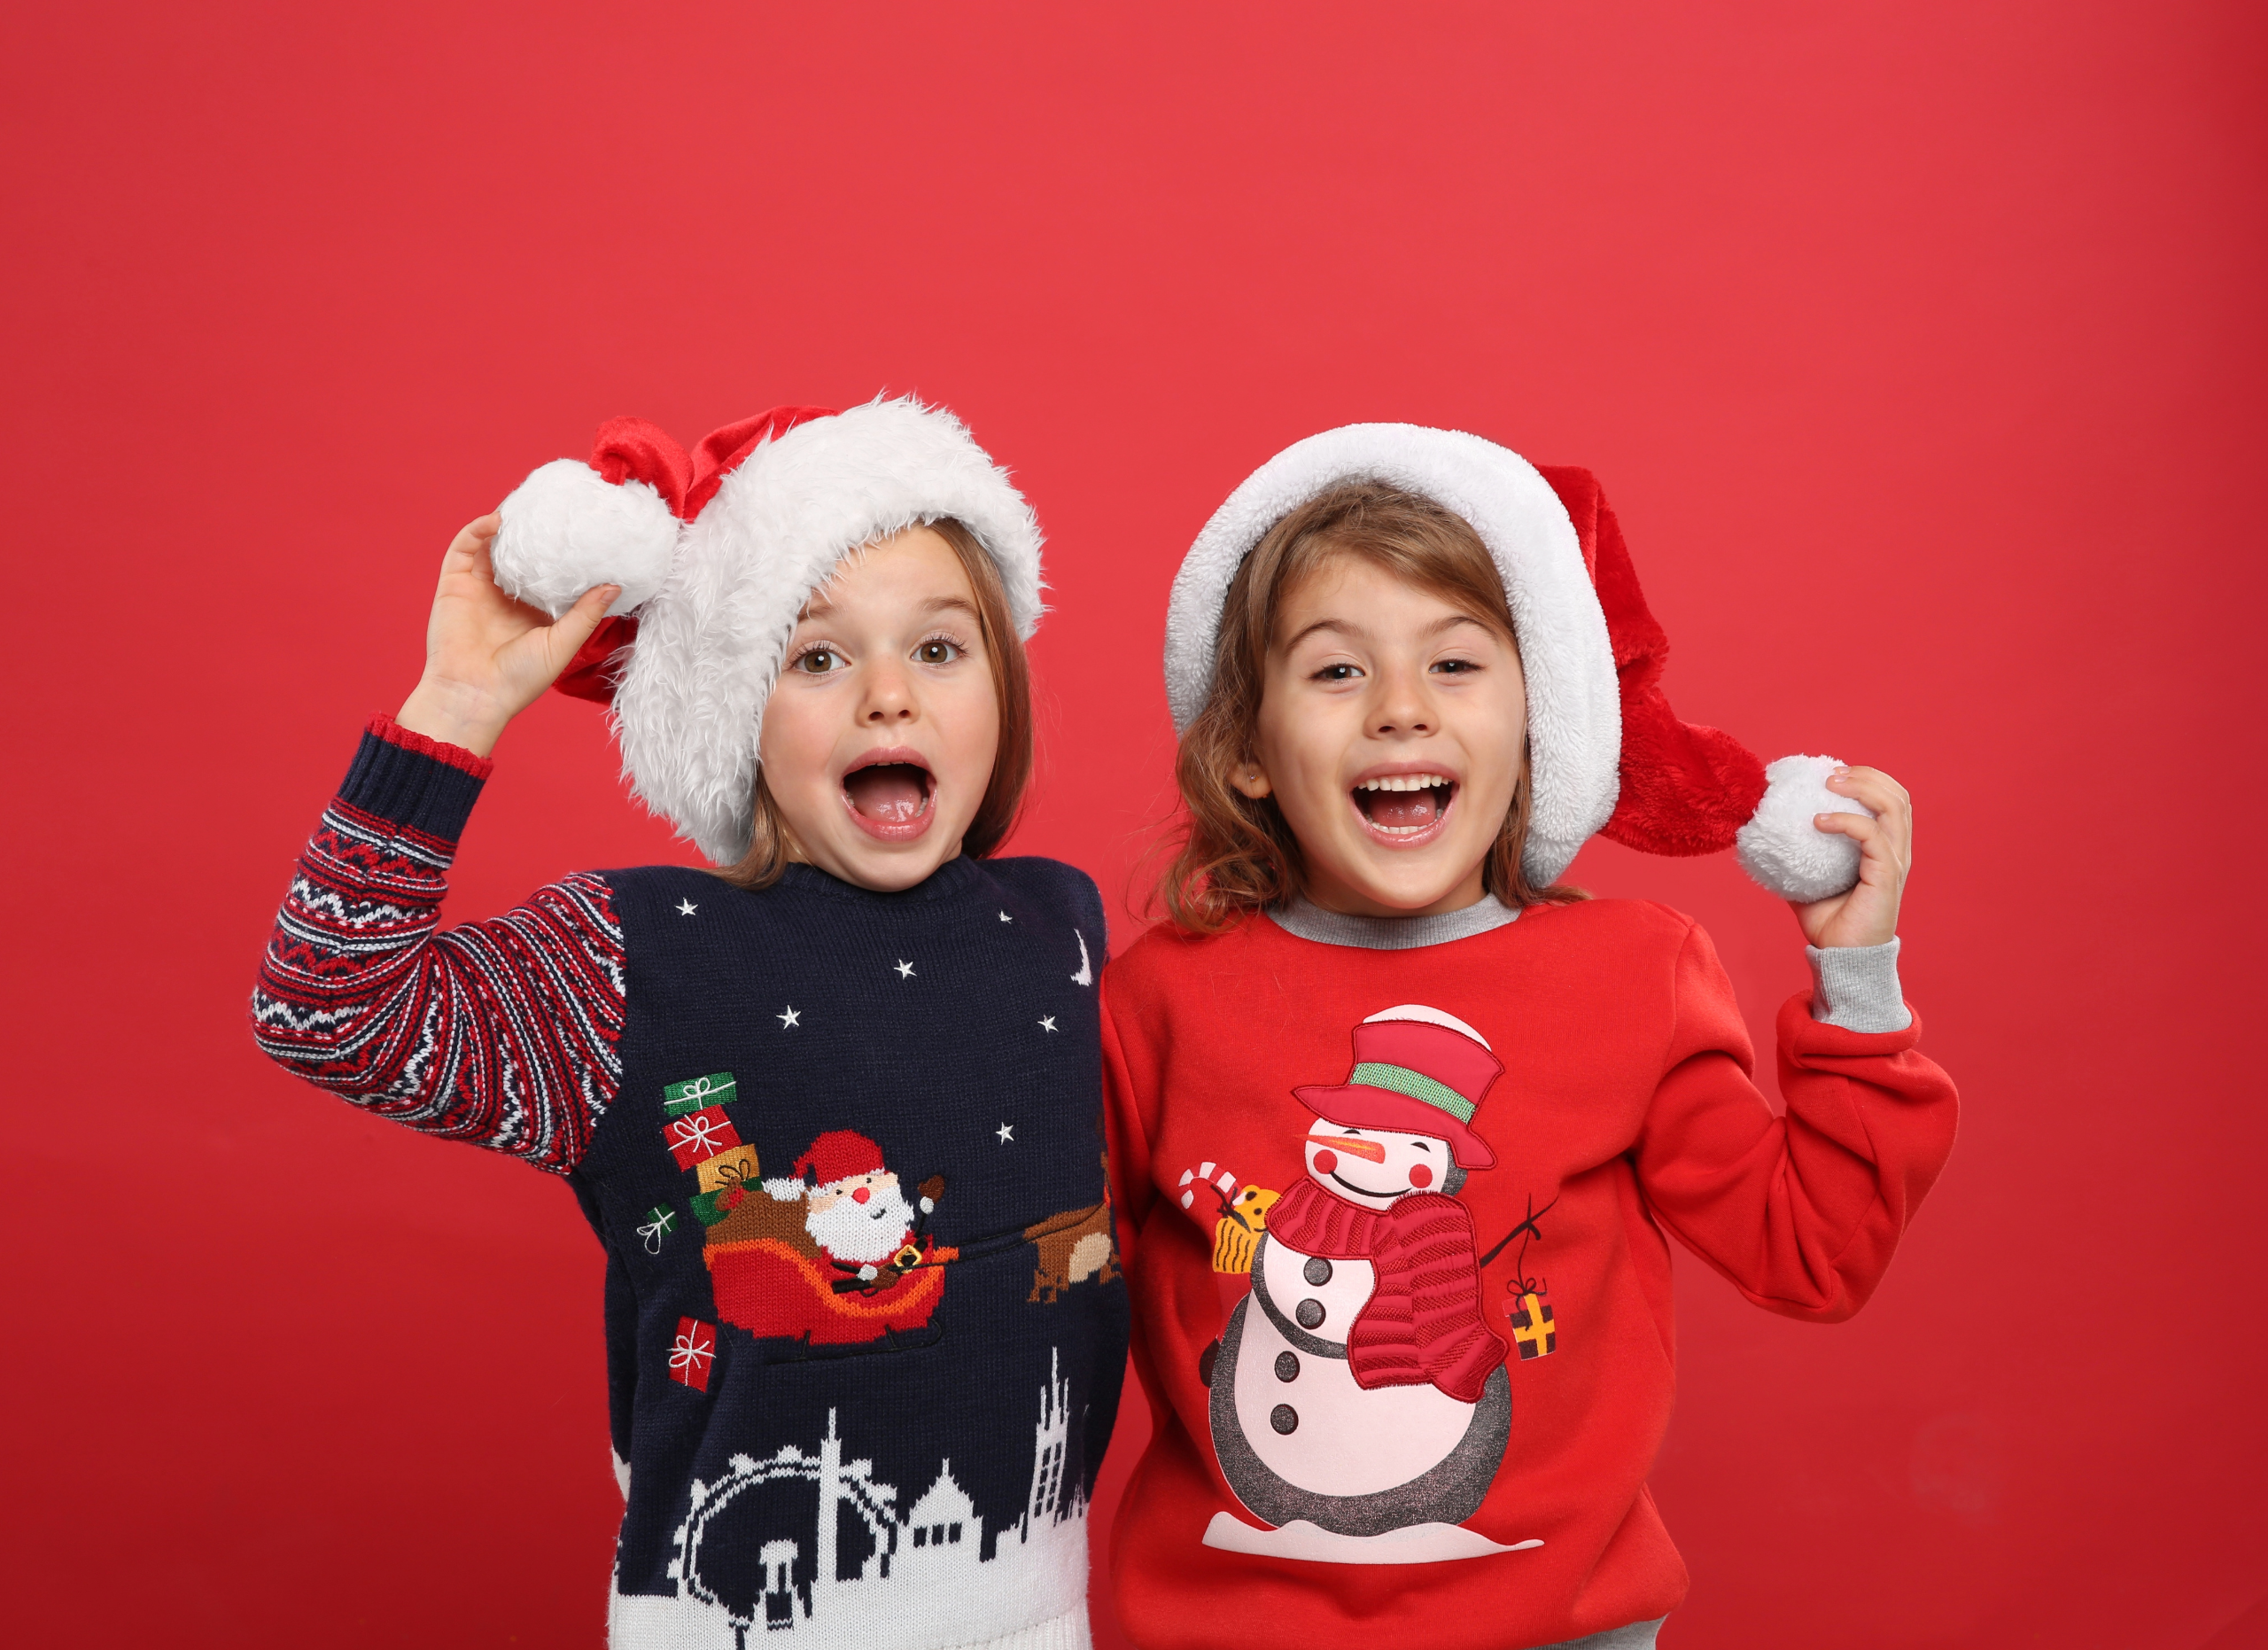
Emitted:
<point x="503" y="1032"/>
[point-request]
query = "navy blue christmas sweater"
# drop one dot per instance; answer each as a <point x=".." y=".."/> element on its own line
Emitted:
<point x="864" y="1317"/>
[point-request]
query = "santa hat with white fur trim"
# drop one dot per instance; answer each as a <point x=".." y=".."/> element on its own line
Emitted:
<point x="1606" y="752"/>
<point x="717" y="551"/>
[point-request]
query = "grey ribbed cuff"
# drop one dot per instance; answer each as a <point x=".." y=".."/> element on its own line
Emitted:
<point x="1856" y="987"/>
<point x="1637" y="1636"/>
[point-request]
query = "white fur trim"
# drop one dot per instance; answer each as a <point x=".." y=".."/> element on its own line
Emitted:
<point x="1780" y="846"/>
<point x="690" y="706"/>
<point x="1574" y="705"/>
<point x="567" y="529"/>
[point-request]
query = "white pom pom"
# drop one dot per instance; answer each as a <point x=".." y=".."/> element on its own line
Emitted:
<point x="567" y="529"/>
<point x="1780" y="846"/>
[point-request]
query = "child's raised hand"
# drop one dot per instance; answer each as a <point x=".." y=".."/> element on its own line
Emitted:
<point x="1867" y="915"/>
<point x="488" y="657"/>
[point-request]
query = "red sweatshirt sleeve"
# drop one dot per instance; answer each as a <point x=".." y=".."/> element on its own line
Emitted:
<point x="501" y="1033"/>
<point x="1126" y="1131"/>
<point x="1801" y="1212"/>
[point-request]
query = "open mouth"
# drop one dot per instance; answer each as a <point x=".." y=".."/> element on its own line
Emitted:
<point x="1404" y="810"/>
<point x="891" y="794"/>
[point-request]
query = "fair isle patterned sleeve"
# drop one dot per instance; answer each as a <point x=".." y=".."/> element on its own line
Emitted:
<point x="503" y="1032"/>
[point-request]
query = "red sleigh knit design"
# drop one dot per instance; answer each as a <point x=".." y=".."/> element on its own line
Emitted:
<point x="502" y="1032"/>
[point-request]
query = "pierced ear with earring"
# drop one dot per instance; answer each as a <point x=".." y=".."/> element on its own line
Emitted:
<point x="1252" y="780"/>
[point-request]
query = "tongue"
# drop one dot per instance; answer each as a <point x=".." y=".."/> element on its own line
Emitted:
<point x="891" y="792"/>
<point x="1399" y="810"/>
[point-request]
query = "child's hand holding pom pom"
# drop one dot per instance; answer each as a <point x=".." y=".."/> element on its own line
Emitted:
<point x="1866" y="914"/>
<point x="488" y="657"/>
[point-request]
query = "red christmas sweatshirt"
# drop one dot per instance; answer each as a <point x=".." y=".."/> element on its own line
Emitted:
<point x="1394" y="1221"/>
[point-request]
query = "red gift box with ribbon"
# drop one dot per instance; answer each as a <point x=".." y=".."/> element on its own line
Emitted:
<point x="699" y="1135"/>
<point x="693" y="1352"/>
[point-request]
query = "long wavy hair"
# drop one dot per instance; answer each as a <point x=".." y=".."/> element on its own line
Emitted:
<point x="769" y="842"/>
<point x="1231" y="855"/>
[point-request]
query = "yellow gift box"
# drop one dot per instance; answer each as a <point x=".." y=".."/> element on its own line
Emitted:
<point x="729" y="1167"/>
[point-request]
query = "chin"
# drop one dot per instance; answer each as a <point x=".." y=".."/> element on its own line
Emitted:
<point x="1408" y="883"/>
<point x="887" y="873"/>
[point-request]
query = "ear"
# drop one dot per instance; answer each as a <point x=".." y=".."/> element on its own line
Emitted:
<point x="1252" y="780"/>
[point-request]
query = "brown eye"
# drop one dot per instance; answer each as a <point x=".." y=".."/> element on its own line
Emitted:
<point x="936" y="652"/>
<point x="818" y="661"/>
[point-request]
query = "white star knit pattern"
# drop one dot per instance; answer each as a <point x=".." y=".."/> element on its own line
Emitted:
<point x="904" y="969"/>
<point x="788" y="1020"/>
<point x="686" y="907"/>
<point x="1047" y="1022"/>
<point x="1007" y="1132"/>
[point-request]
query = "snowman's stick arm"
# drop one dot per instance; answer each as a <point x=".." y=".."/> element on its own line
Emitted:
<point x="1527" y="1225"/>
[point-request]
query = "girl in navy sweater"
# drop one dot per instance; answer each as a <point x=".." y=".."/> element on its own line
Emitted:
<point x="833" y="1108"/>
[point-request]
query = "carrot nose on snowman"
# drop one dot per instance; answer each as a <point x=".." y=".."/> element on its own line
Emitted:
<point x="1370" y="1149"/>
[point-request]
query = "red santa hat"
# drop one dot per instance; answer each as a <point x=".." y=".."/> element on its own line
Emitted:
<point x="717" y="551"/>
<point x="1418" y="1071"/>
<point x="839" y="1154"/>
<point x="1606" y="752"/>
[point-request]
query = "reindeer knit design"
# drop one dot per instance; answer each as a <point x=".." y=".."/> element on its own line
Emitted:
<point x="844" y="1152"/>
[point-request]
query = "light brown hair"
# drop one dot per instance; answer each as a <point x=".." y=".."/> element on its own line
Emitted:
<point x="768" y="856"/>
<point x="1232" y="855"/>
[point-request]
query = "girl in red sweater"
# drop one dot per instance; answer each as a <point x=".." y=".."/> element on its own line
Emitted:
<point x="1398" y="1125"/>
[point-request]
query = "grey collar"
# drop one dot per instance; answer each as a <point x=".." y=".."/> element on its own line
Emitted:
<point x="1303" y="918"/>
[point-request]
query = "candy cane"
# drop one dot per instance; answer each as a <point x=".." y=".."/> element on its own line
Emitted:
<point x="1212" y="1175"/>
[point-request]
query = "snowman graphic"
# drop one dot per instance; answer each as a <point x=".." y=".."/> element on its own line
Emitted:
<point x="1359" y="1404"/>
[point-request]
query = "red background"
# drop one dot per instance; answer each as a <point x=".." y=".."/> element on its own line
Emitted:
<point x="1919" y="347"/>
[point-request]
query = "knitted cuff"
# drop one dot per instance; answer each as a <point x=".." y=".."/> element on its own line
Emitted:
<point x="1856" y="987"/>
<point x="411" y="781"/>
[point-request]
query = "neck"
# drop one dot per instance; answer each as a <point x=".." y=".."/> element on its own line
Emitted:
<point x="1327" y="892"/>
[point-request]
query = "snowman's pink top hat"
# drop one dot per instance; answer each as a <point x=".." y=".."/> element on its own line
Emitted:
<point x="1418" y="1072"/>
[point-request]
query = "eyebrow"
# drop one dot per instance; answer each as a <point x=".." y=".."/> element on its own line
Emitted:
<point x="1348" y="627"/>
<point x="819" y="607"/>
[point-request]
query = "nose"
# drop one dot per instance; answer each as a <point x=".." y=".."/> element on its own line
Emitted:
<point x="1402" y="706"/>
<point x="860" y="1194"/>
<point x="889" y="697"/>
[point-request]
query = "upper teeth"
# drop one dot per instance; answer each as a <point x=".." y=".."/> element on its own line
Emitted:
<point x="1404" y="781"/>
